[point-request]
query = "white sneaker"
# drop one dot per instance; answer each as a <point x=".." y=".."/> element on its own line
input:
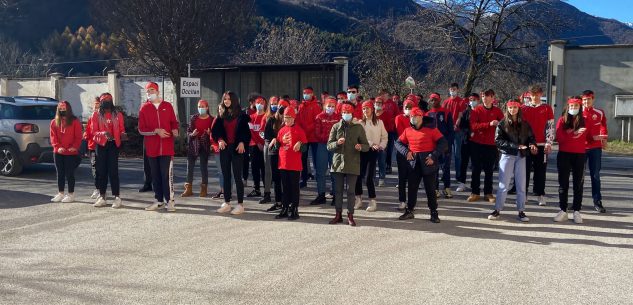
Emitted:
<point x="101" y="202"/>
<point x="155" y="206"/>
<point x="171" y="206"/>
<point x="381" y="182"/>
<point x="359" y="203"/>
<point x="402" y="206"/>
<point x="224" y="208"/>
<point x="68" y="198"/>
<point x="328" y="196"/>
<point x="561" y="216"/>
<point x="238" y="210"/>
<point x="541" y="201"/>
<point x="372" y="205"/>
<point x="460" y="187"/>
<point x="577" y="217"/>
<point x="58" y="197"/>
<point x="95" y="194"/>
<point x="117" y="203"/>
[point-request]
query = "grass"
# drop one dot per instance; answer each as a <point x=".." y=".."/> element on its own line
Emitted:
<point x="619" y="147"/>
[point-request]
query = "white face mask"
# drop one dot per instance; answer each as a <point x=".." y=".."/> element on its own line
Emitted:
<point x="473" y="104"/>
<point x="452" y="93"/>
<point x="573" y="111"/>
<point x="407" y="111"/>
<point x="152" y="97"/>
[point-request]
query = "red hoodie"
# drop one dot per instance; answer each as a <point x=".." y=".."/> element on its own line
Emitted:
<point x="388" y="115"/>
<point x="289" y="159"/>
<point x="256" y="125"/>
<point x="149" y="119"/>
<point x="323" y="125"/>
<point x="596" y="121"/>
<point x="570" y="142"/>
<point x="308" y="110"/>
<point x="88" y="137"/>
<point x="480" y="119"/>
<point x="66" y="137"/>
<point x="455" y="105"/>
<point x="99" y="126"/>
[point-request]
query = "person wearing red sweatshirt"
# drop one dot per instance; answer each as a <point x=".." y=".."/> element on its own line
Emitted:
<point x="483" y="124"/>
<point x="402" y="122"/>
<point x="91" y="151"/>
<point x="456" y="105"/>
<point x="571" y="134"/>
<point x="352" y="99"/>
<point x="108" y="129"/>
<point x="65" y="133"/>
<point x="308" y="110"/>
<point x="256" y="146"/>
<point x="323" y="124"/>
<point x="158" y="124"/>
<point x="387" y="113"/>
<point x="292" y="139"/>
<point x="596" y="121"/>
<point x="198" y="146"/>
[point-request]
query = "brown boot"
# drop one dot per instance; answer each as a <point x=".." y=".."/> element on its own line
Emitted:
<point x="187" y="191"/>
<point x="203" y="190"/>
<point x="350" y="219"/>
<point x="337" y="219"/>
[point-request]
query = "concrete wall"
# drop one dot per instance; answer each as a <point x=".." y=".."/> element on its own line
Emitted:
<point x="80" y="92"/>
<point x="33" y="87"/>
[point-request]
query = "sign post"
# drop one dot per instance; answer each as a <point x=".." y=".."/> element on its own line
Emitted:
<point x="189" y="88"/>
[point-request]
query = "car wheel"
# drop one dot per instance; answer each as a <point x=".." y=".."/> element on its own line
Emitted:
<point x="9" y="161"/>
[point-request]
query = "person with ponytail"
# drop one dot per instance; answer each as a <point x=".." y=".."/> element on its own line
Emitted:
<point x="91" y="150"/>
<point x="274" y="122"/>
<point x="65" y="133"/>
<point x="199" y="145"/>
<point x="108" y="129"/>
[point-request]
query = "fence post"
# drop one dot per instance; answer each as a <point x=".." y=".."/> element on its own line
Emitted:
<point x="113" y="86"/>
<point x="56" y="85"/>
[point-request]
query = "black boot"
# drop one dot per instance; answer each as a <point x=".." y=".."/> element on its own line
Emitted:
<point x="598" y="206"/>
<point x="435" y="218"/>
<point x="408" y="214"/>
<point x="283" y="213"/>
<point x="319" y="200"/>
<point x="145" y="188"/>
<point x="266" y="198"/>
<point x="294" y="212"/>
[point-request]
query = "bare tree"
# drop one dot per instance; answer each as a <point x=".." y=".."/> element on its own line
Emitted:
<point x="479" y="37"/>
<point x="291" y="42"/>
<point x="166" y="35"/>
<point x="15" y="62"/>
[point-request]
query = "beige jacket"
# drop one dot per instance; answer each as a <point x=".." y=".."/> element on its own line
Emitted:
<point x="376" y="134"/>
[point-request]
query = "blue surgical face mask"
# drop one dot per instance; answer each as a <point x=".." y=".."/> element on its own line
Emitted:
<point x="273" y="108"/>
<point x="573" y="111"/>
<point x="202" y="111"/>
<point x="329" y="110"/>
<point x="307" y="97"/>
<point x="378" y="107"/>
<point x="351" y="96"/>
<point x="259" y="107"/>
<point x="347" y="117"/>
<point x="413" y="121"/>
<point x="452" y="93"/>
<point x="473" y="104"/>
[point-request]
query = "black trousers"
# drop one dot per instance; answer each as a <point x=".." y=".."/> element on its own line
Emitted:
<point x="246" y="162"/>
<point x="484" y="157"/>
<point x="162" y="177"/>
<point x="257" y="165"/>
<point x="232" y="164"/>
<point x="66" y="166"/>
<point x="92" y="154"/>
<point x="539" y="162"/>
<point x="463" y="165"/>
<point x="415" y="177"/>
<point x="276" y="175"/>
<point x="290" y="184"/>
<point x="403" y="175"/>
<point x="146" y="169"/>
<point x="367" y="172"/>
<point x="108" y="168"/>
<point x="575" y="164"/>
<point x="204" y="167"/>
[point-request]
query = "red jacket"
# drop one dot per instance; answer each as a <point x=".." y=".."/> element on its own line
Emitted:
<point x="88" y="137"/>
<point x="289" y="159"/>
<point x="596" y="121"/>
<point x="256" y="125"/>
<point x="149" y="119"/>
<point x="402" y="122"/>
<point x="455" y="105"/>
<point x="568" y="141"/>
<point x="323" y="125"/>
<point x="388" y="115"/>
<point x="66" y="137"/>
<point x="480" y="119"/>
<point x="98" y="127"/>
<point x="308" y="110"/>
<point x="538" y="118"/>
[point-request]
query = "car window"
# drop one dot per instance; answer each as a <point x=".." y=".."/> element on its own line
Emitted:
<point x="35" y="112"/>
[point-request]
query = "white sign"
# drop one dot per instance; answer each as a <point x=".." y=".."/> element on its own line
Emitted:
<point x="189" y="87"/>
<point x="623" y="106"/>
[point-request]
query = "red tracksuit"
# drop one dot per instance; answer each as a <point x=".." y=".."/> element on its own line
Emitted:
<point x="149" y="119"/>
<point x="596" y="122"/>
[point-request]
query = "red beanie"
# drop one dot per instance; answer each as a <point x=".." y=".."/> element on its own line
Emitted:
<point x="151" y="85"/>
<point x="290" y="112"/>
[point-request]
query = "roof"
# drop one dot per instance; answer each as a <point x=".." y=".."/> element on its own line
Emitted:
<point x="270" y="67"/>
<point x="600" y="46"/>
<point x="18" y="100"/>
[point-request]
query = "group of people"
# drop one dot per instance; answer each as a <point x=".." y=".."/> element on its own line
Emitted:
<point x="350" y="138"/>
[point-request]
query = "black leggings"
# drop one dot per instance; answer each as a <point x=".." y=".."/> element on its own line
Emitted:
<point x="575" y="164"/>
<point x="257" y="165"/>
<point x="403" y="175"/>
<point x="108" y="167"/>
<point x="276" y="175"/>
<point x="66" y="166"/>
<point x="290" y="182"/>
<point x="232" y="164"/>
<point x="367" y="172"/>
<point x="463" y="165"/>
<point x="162" y="177"/>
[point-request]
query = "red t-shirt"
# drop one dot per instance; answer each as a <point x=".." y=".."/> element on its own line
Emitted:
<point x="480" y="118"/>
<point x="230" y="127"/>
<point x="537" y="118"/>
<point x="202" y="125"/>
<point x="256" y="125"/>
<point x="455" y="105"/>
<point x="422" y="140"/>
<point x="402" y="123"/>
<point x="289" y="159"/>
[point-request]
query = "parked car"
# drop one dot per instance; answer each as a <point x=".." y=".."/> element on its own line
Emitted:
<point x="25" y="132"/>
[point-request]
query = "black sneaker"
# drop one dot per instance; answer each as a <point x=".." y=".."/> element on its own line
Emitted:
<point x="319" y="200"/>
<point x="303" y="184"/>
<point x="408" y="214"/>
<point x="388" y="171"/>
<point x="522" y="217"/>
<point x="217" y="195"/>
<point x="266" y="199"/>
<point x="598" y="206"/>
<point x="274" y="207"/>
<point x="254" y="193"/>
<point x="435" y="218"/>
<point x="494" y="215"/>
<point x="145" y="188"/>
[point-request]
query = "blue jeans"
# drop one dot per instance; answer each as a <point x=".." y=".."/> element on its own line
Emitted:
<point x="457" y="152"/>
<point x="304" y="159"/>
<point x="323" y="163"/>
<point x="509" y="167"/>
<point x="391" y="139"/>
<point x="382" y="163"/>
<point x="594" y="160"/>
<point x="216" y="157"/>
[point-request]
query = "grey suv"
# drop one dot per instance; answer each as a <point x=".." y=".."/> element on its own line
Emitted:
<point x="25" y="132"/>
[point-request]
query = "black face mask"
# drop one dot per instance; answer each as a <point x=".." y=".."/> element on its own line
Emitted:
<point x="62" y="113"/>
<point x="107" y="105"/>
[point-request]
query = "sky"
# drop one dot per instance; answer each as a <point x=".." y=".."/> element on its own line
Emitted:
<point x="621" y="10"/>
